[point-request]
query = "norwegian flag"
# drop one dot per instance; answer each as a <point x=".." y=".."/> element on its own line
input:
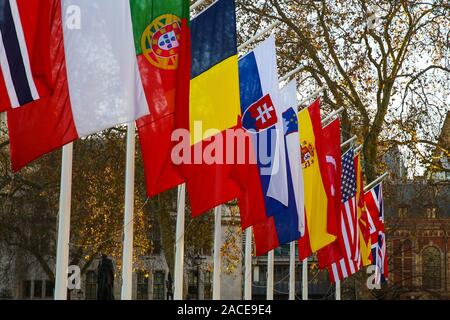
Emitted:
<point x="374" y="207"/>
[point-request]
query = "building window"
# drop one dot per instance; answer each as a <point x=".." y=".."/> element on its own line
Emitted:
<point x="403" y="212"/>
<point x="403" y="262"/>
<point x="37" y="289"/>
<point x="158" y="285"/>
<point x="26" y="289"/>
<point x="49" y="285"/>
<point x="142" y="286"/>
<point x="431" y="268"/>
<point x="91" y="285"/>
<point x="207" y="285"/>
<point x="431" y="213"/>
<point x="193" y="285"/>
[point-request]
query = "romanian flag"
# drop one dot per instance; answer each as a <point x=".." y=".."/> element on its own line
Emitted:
<point x="214" y="109"/>
<point x="161" y="40"/>
<point x="319" y="231"/>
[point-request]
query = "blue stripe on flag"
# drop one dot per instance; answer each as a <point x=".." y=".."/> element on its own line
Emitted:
<point x="213" y="36"/>
<point x="13" y="54"/>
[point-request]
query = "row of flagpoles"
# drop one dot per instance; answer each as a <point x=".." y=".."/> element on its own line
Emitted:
<point x="62" y="259"/>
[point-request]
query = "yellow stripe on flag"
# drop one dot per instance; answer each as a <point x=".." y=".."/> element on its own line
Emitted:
<point x="365" y="248"/>
<point x="315" y="195"/>
<point x="214" y="99"/>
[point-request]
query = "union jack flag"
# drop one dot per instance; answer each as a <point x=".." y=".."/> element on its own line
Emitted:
<point x="374" y="206"/>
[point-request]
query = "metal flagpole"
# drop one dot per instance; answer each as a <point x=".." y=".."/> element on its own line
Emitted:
<point x="258" y="35"/>
<point x="331" y="115"/>
<point x="270" y="262"/>
<point x="305" y="279"/>
<point x="65" y="197"/>
<point x="197" y="4"/>
<point x="346" y="143"/>
<point x="291" y="73"/>
<point x="127" y="257"/>
<point x="179" y="244"/>
<point x="307" y="99"/>
<point x="338" y="290"/>
<point x="373" y="183"/>
<point x="248" y="265"/>
<point x="358" y="149"/>
<point x="217" y="251"/>
<point x="292" y="272"/>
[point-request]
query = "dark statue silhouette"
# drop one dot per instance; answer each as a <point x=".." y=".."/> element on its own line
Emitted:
<point x="105" y="279"/>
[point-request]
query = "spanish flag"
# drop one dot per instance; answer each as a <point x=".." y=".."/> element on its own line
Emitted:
<point x="214" y="107"/>
<point x="317" y="233"/>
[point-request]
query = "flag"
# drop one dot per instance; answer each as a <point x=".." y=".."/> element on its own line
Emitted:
<point x="293" y="158"/>
<point x="24" y="52"/>
<point x="345" y="261"/>
<point x="213" y="113"/>
<point x="342" y="269"/>
<point x="270" y="118"/>
<point x="332" y="135"/>
<point x="315" y="177"/>
<point x="375" y="210"/>
<point x="163" y="52"/>
<point x="365" y="224"/>
<point x="97" y="82"/>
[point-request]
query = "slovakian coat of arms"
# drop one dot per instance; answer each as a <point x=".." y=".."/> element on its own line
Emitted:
<point x="160" y="42"/>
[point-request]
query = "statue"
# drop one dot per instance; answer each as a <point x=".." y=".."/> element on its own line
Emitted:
<point x="169" y="287"/>
<point x="105" y="279"/>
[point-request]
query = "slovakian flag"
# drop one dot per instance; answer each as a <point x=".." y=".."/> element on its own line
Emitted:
<point x="96" y="78"/>
<point x="214" y="172"/>
<point x="375" y="210"/>
<point x="24" y="52"/>
<point x="319" y="231"/>
<point x="272" y="121"/>
<point x="162" y="43"/>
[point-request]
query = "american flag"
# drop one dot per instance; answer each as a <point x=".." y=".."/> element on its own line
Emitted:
<point x="374" y="206"/>
<point x="349" y="233"/>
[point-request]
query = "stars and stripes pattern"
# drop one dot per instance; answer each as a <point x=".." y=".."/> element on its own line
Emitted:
<point x="350" y="263"/>
<point x="374" y="206"/>
<point x="14" y="59"/>
<point x="349" y="213"/>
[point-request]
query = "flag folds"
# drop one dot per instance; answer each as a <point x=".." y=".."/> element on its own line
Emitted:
<point x="374" y="206"/>
<point x="319" y="232"/>
<point x="162" y="44"/>
<point x="24" y="52"/>
<point x="214" y="176"/>
<point x="97" y="83"/>
<point x="272" y="122"/>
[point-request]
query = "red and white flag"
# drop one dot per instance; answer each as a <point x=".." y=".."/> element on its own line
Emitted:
<point x="95" y="76"/>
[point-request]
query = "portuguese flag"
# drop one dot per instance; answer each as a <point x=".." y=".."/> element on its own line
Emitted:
<point x="161" y="37"/>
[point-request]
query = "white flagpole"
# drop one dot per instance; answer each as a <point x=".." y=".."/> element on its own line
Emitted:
<point x="270" y="262"/>
<point x="292" y="272"/>
<point x="127" y="256"/>
<point x="338" y="290"/>
<point x="179" y="244"/>
<point x="217" y="249"/>
<point x="65" y="197"/>
<point x="248" y="265"/>
<point x="305" y="279"/>
<point x="258" y="35"/>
